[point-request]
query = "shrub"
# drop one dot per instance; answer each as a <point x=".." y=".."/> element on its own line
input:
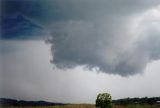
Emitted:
<point x="104" y="100"/>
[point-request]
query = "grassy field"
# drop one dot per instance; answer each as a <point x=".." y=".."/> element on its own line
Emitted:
<point x="92" y="106"/>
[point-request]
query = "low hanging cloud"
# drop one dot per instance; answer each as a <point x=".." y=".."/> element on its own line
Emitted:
<point x="117" y="37"/>
<point x="116" y="44"/>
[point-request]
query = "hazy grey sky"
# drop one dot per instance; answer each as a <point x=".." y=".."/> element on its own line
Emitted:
<point x="69" y="51"/>
<point x="28" y="76"/>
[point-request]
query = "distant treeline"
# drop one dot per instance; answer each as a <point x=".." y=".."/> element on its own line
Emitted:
<point x="125" y="101"/>
<point x="13" y="102"/>
<point x="145" y="100"/>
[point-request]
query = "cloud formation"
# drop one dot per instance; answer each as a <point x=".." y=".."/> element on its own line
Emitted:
<point x="18" y="20"/>
<point x="118" y="36"/>
<point x="120" y="42"/>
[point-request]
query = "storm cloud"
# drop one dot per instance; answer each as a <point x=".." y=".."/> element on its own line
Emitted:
<point x="118" y="37"/>
<point x="119" y="40"/>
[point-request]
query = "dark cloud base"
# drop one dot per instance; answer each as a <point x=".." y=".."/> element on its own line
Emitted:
<point x="80" y="43"/>
<point x="95" y="34"/>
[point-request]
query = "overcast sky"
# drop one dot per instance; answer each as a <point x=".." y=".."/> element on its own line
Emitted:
<point x="69" y="51"/>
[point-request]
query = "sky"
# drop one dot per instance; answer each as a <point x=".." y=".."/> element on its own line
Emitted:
<point x="69" y="51"/>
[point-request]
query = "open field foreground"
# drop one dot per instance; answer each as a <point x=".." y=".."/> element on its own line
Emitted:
<point x="92" y="106"/>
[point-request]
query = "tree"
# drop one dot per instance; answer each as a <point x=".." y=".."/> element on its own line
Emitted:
<point x="104" y="100"/>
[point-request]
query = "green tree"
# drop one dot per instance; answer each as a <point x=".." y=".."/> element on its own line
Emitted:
<point x="104" y="100"/>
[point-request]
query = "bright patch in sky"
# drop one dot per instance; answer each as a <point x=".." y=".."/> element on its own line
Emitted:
<point x="28" y="78"/>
